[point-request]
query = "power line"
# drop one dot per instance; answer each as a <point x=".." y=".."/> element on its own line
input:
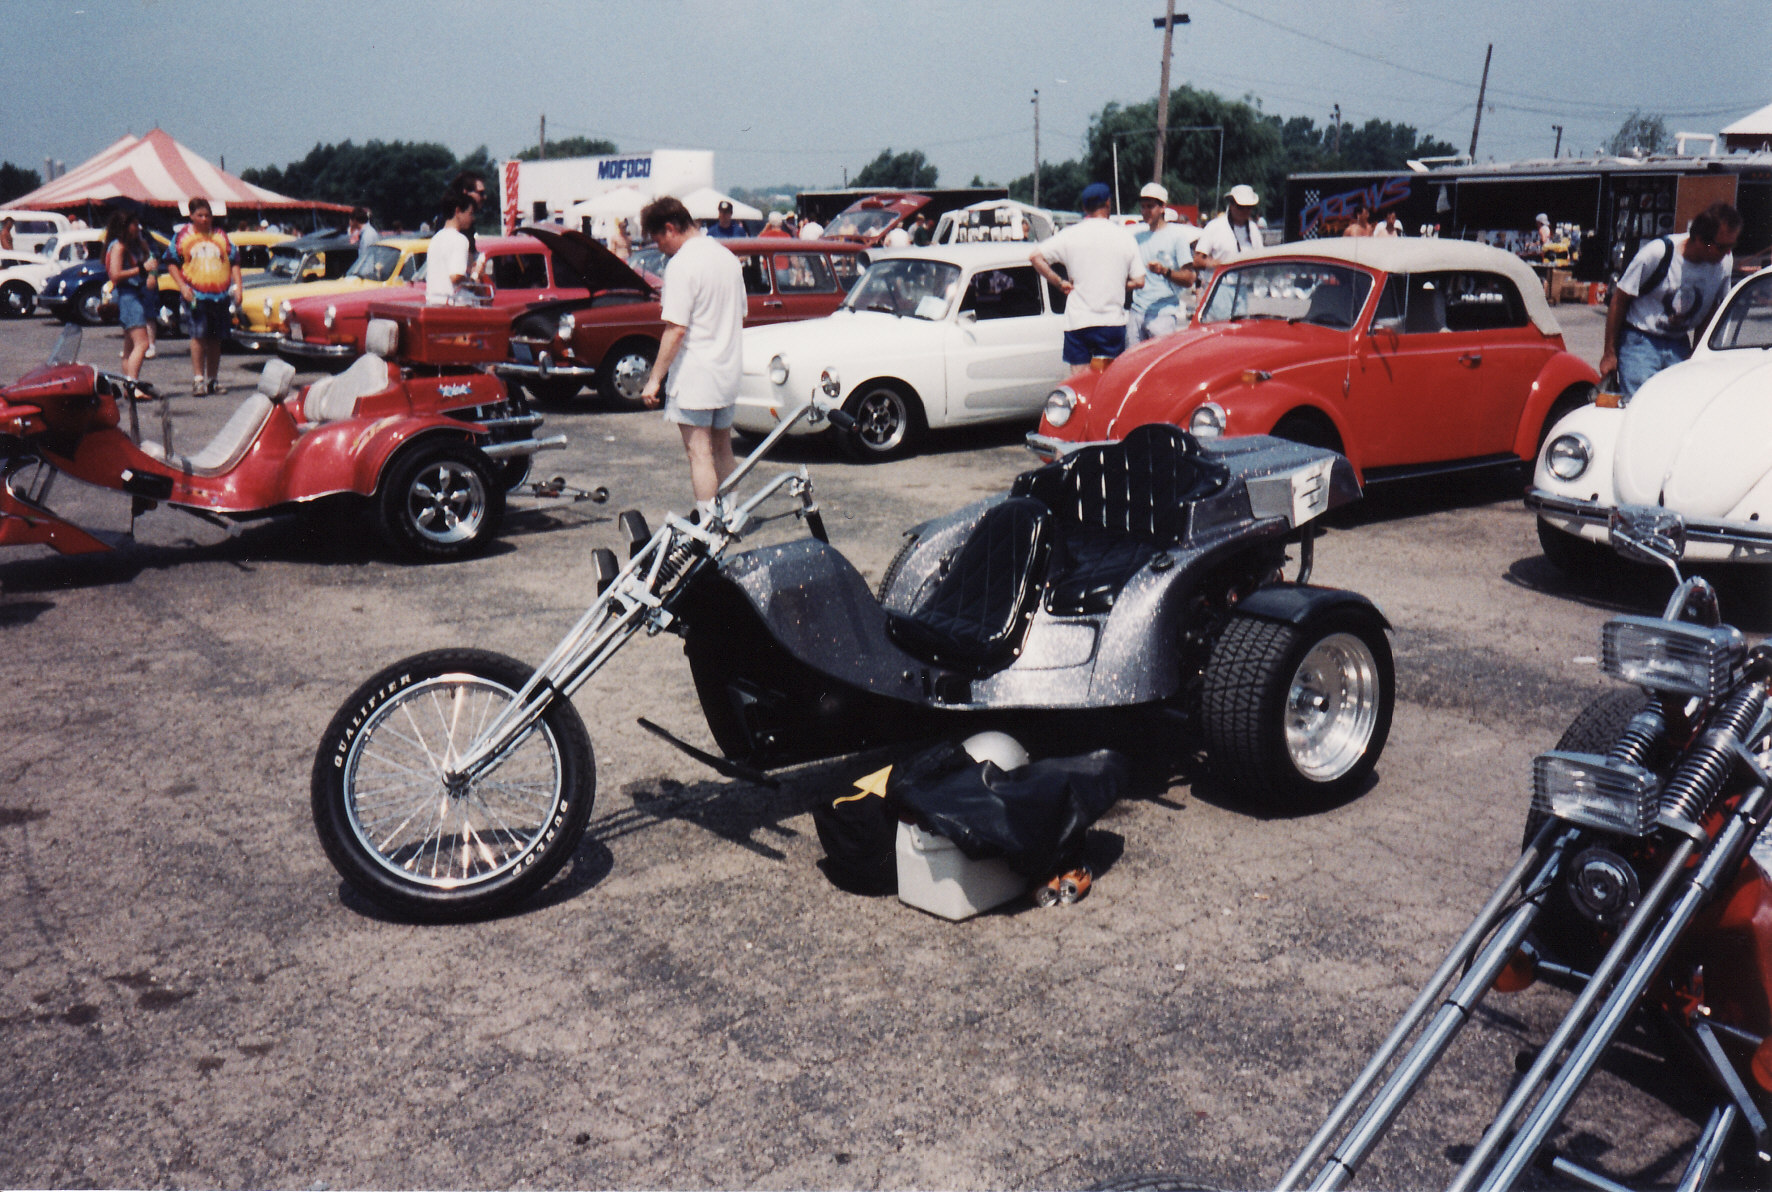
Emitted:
<point x="1599" y="106"/>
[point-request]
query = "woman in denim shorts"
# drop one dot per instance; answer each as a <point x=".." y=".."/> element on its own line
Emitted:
<point x="130" y="266"/>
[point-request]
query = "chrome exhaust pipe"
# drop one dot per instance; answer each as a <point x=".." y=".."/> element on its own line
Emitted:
<point x="523" y="447"/>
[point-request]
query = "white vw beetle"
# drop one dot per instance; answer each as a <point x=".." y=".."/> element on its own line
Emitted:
<point x="1695" y="441"/>
<point x="928" y="337"/>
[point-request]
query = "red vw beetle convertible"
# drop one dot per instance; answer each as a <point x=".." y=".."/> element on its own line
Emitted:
<point x="426" y="447"/>
<point x="1408" y="356"/>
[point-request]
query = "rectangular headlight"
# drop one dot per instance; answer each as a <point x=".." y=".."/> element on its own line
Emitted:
<point x="1586" y="789"/>
<point x="1674" y="657"/>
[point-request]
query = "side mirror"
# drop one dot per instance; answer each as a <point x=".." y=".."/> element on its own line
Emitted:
<point x="968" y="317"/>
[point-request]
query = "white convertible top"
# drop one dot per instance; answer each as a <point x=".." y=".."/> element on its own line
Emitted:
<point x="1416" y="254"/>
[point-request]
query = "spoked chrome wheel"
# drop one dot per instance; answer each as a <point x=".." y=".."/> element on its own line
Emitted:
<point x="416" y="822"/>
<point x="1332" y="707"/>
<point x="1296" y="715"/>
<point x="883" y="423"/>
<point x="406" y="830"/>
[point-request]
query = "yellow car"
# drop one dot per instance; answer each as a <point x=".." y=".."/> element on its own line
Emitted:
<point x="392" y="260"/>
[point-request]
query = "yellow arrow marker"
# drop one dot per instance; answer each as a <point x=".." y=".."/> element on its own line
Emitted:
<point x="872" y="784"/>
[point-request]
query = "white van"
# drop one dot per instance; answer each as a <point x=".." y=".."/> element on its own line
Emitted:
<point x="994" y="220"/>
<point x="31" y="230"/>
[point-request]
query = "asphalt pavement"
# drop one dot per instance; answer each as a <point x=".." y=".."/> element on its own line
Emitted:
<point x="189" y="997"/>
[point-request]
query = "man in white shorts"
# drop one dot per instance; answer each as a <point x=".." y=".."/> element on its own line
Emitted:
<point x="700" y="356"/>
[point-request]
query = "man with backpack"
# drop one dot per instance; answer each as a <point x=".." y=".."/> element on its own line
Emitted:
<point x="1667" y="294"/>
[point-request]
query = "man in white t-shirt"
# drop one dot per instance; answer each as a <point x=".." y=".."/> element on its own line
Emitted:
<point x="700" y="357"/>
<point x="449" y="259"/>
<point x="1670" y="290"/>
<point x="1101" y="258"/>
<point x="1233" y="233"/>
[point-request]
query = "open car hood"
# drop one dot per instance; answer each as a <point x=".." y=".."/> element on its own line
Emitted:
<point x="1697" y="434"/>
<point x="601" y="269"/>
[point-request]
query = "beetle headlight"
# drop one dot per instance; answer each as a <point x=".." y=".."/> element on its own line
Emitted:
<point x="563" y="330"/>
<point x="1676" y="657"/>
<point x="1567" y="456"/>
<point x="1059" y="404"/>
<point x="778" y="371"/>
<point x="1583" y="788"/>
<point x="331" y="316"/>
<point x="829" y="384"/>
<point x="283" y="311"/>
<point x="1207" y="421"/>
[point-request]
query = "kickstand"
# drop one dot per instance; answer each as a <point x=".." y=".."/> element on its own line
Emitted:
<point x="718" y="764"/>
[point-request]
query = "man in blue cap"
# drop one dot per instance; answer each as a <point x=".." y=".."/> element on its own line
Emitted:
<point x="1101" y="261"/>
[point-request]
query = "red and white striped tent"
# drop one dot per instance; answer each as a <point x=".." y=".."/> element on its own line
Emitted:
<point x="158" y="171"/>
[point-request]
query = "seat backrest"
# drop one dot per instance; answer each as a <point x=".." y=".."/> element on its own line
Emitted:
<point x="1141" y="485"/>
<point x="1427" y="310"/>
<point x="977" y="611"/>
<point x="1331" y="305"/>
<point x="276" y="378"/>
<point x="332" y="398"/>
<point x="382" y="338"/>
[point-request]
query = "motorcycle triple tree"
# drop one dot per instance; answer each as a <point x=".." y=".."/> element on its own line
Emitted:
<point x="1640" y="890"/>
<point x="1143" y="574"/>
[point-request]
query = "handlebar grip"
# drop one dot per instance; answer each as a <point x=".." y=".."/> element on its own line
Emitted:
<point x="841" y="419"/>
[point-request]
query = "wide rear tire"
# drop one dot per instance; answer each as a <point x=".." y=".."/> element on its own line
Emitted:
<point x="405" y="840"/>
<point x="17" y="300"/>
<point x="1296" y="716"/>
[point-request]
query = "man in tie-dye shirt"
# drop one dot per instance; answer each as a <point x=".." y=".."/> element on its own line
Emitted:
<point x="206" y="266"/>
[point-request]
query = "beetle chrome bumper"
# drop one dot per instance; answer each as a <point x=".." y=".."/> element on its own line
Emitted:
<point x="1732" y="536"/>
<point x="543" y="370"/>
<point x="312" y="351"/>
<point x="254" y="341"/>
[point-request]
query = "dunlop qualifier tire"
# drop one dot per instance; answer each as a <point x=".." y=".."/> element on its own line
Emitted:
<point x="404" y="840"/>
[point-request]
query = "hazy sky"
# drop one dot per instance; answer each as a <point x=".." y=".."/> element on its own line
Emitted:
<point x="795" y="91"/>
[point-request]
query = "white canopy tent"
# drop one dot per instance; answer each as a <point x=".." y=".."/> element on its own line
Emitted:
<point x="704" y="203"/>
<point x="624" y="202"/>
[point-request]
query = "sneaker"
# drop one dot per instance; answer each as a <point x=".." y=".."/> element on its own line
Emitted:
<point x="199" y="386"/>
<point x="152" y="352"/>
<point x="216" y="386"/>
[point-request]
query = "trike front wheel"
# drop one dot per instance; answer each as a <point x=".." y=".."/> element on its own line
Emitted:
<point x="409" y="837"/>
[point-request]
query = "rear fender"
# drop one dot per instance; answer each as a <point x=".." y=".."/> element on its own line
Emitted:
<point x="1295" y="604"/>
<point x="24" y="524"/>
<point x="350" y="455"/>
<point x="1556" y="378"/>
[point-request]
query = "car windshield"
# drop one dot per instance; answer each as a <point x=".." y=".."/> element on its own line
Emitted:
<point x="285" y="263"/>
<point x="1297" y="291"/>
<point x="377" y="264"/>
<point x="1747" y="321"/>
<point x="915" y="288"/>
<point x="859" y="223"/>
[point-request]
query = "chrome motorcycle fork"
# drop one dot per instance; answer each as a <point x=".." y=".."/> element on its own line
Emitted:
<point x="635" y="600"/>
<point x="1541" y="860"/>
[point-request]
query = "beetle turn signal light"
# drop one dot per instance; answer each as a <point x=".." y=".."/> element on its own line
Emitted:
<point x="1255" y="376"/>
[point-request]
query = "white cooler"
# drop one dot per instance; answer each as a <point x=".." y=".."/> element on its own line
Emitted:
<point x="935" y="876"/>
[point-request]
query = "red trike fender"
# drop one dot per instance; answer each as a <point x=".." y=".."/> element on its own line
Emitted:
<point x="24" y="524"/>
<point x="351" y="455"/>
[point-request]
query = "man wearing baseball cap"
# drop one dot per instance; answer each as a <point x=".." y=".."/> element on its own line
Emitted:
<point x="1168" y="255"/>
<point x="1232" y="233"/>
<point x="1101" y="258"/>
<point x="723" y="228"/>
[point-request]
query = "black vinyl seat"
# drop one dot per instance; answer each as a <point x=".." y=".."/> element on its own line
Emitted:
<point x="975" y="615"/>
<point x="1115" y="506"/>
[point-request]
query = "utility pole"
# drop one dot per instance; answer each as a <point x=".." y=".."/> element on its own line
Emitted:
<point x="1482" y="91"/>
<point x="541" y="143"/>
<point x="1558" y="151"/>
<point x="1167" y="23"/>
<point x="1335" y="115"/>
<point x="1036" y="146"/>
